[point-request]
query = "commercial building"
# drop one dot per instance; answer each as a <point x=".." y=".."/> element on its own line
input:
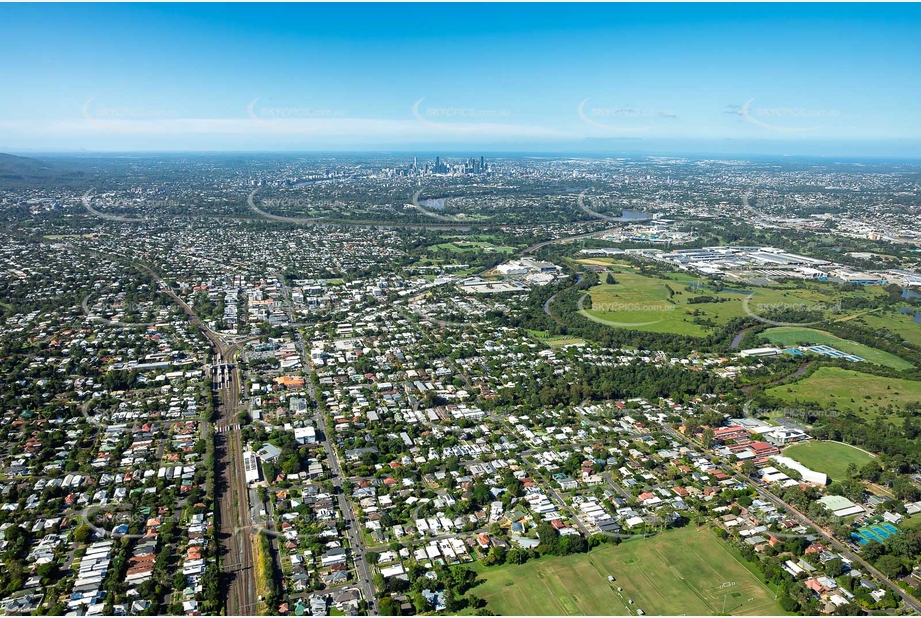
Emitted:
<point x="250" y="467"/>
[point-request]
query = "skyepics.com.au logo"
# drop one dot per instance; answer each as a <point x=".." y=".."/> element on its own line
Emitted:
<point x="299" y="203"/>
<point x="288" y="117"/>
<point x="285" y="202"/>
<point x="773" y="202"/>
<point x="457" y="118"/>
<point x="751" y="409"/>
<point x="614" y="307"/>
<point x="622" y="119"/>
<point x="591" y="206"/>
<point x="784" y="119"/>
<point x="110" y="522"/>
<point x="759" y="310"/>
<point x="618" y="307"/>
<point x="154" y="205"/>
<point x="109" y="115"/>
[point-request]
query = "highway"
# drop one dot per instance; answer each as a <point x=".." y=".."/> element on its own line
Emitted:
<point x="542" y="244"/>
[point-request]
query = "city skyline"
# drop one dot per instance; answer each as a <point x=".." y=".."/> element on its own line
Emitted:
<point x="460" y="309"/>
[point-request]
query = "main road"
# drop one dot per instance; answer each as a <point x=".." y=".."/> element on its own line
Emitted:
<point x="353" y="534"/>
<point x="802" y="518"/>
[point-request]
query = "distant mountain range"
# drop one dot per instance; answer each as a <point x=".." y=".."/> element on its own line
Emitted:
<point x="24" y="168"/>
<point x="28" y="172"/>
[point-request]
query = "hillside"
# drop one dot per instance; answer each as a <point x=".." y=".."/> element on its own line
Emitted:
<point x="13" y="167"/>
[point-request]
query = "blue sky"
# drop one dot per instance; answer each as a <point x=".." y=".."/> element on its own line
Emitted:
<point x="787" y="78"/>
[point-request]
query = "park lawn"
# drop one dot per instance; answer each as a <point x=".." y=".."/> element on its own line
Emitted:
<point x="686" y="571"/>
<point x="489" y="239"/>
<point x="792" y="335"/>
<point x="641" y="302"/>
<point x="831" y="458"/>
<point x="597" y="261"/>
<point x="492" y="238"/>
<point x="912" y="521"/>
<point x="899" y="323"/>
<point x="467" y="246"/>
<point x="851" y="391"/>
<point x="638" y="302"/>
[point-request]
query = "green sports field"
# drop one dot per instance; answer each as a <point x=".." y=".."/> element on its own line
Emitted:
<point x="851" y="391"/>
<point x="793" y="335"/>
<point x="828" y="457"/>
<point x="686" y="571"/>
<point x="555" y="342"/>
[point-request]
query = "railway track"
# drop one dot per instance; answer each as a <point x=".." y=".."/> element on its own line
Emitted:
<point x="233" y="511"/>
<point x="231" y="491"/>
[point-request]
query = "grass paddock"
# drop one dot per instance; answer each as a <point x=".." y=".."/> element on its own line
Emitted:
<point x="687" y="571"/>
<point x="863" y="394"/>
